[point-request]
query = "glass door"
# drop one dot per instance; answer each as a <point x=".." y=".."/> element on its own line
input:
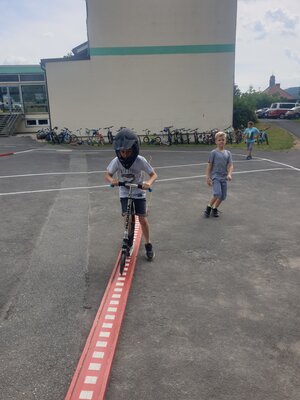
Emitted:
<point x="10" y="99"/>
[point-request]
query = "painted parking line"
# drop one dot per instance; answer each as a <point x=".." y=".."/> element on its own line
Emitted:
<point x="92" y="373"/>
<point x="7" y="154"/>
<point x="66" y="173"/>
<point x="181" y="178"/>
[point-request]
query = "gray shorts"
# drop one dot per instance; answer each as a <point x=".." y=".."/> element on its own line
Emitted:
<point x="219" y="189"/>
<point x="250" y="145"/>
<point x="139" y="206"/>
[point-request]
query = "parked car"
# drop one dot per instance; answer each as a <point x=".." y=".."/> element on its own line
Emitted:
<point x="261" y="113"/>
<point x="293" y="113"/>
<point x="278" y="110"/>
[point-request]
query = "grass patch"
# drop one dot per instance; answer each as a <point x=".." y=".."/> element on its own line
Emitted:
<point x="279" y="139"/>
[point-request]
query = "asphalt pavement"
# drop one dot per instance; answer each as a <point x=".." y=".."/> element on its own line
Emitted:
<point x="214" y="316"/>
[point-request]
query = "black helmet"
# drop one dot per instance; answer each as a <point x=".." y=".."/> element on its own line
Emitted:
<point x="126" y="139"/>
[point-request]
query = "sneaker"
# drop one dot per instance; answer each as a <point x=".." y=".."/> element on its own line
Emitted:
<point x="207" y="212"/>
<point x="215" y="212"/>
<point x="249" y="158"/>
<point x="149" y="252"/>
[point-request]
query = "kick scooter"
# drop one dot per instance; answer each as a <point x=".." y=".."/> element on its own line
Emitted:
<point x="129" y="224"/>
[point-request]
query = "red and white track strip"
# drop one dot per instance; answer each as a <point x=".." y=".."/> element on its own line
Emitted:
<point x="92" y="373"/>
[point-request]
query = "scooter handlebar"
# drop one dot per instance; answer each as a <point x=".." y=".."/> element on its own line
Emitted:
<point x="133" y="185"/>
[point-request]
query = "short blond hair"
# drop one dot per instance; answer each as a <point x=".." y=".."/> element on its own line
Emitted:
<point x="220" y="134"/>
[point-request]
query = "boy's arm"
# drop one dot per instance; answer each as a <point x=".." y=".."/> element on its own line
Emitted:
<point x="109" y="178"/>
<point x="208" y="174"/>
<point x="229" y="171"/>
<point x="149" y="182"/>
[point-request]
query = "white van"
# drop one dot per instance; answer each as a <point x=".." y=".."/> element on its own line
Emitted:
<point x="278" y="110"/>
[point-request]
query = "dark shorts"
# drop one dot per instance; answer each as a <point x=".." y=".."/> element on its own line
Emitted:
<point x="219" y="189"/>
<point x="139" y="205"/>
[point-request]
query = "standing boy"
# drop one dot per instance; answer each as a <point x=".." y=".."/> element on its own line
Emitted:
<point x="130" y="167"/>
<point x="218" y="172"/>
<point x="251" y="133"/>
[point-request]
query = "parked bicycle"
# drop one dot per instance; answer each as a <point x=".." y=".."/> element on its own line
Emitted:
<point x="66" y="136"/>
<point x="237" y="135"/>
<point x="94" y="137"/>
<point x="184" y="136"/>
<point x="263" y="136"/>
<point x="52" y="136"/>
<point x="167" y="130"/>
<point x="151" y="138"/>
<point x="109" y="134"/>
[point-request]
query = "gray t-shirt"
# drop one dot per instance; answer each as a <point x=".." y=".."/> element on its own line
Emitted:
<point x="135" y="174"/>
<point x="219" y="160"/>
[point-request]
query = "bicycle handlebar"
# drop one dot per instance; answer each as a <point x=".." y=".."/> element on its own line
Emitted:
<point x="131" y="185"/>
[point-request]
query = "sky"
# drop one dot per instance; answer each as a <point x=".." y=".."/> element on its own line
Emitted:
<point x="267" y="37"/>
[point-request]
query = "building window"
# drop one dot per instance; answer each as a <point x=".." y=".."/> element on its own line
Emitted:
<point x="32" y="77"/>
<point x="9" y="78"/>
<point x="31" y="122"/>
<point x="37" y="122"/>
<point x="34" y="98"/>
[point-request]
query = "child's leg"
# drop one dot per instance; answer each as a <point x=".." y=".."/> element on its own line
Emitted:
<point x="145" y="228"/>
<point x="210" y="206"/>
<point x="217" y="203"/>
<point x="141" y="212"/>
<point x="249" y="149"/>
<point x="222" y="197"/>
<point x="215" y="200"/>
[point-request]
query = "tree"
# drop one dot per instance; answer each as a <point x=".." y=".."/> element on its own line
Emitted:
<point x="245" y="104"/>
<point x="69" y="55"/>
<point x="242" y="113"/>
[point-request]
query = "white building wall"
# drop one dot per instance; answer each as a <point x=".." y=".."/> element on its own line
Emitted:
<point x="142" y="90"/>
<point x="160" y="22"/>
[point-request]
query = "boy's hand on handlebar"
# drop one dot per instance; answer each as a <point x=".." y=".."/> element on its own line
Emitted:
<point x="114" y="182"/>
<point x="146" y="186"/>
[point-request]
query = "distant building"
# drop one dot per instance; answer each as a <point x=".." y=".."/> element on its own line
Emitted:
<point x="294" y="91"/>
<point x="275" y="89"/>
<point x="23" y="90"/>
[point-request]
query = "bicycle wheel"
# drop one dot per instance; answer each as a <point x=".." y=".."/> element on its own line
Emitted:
<point x="74" y="138"/>
<point x="146" y="139"/>
<point x="67" y="138"/>
<point x="158" y="140"/>
<point x="122" y="262"/>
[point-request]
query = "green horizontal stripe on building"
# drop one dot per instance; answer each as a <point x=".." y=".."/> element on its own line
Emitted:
<point x="20" y="69"/>
<point x="148" y="50"/>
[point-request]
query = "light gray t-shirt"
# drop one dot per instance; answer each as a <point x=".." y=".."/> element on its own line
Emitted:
<point x="219" y="160"/>
<point x="135" y="174"/>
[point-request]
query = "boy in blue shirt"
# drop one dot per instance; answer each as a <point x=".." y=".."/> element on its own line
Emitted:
<point x="251" y="133"/>
<point x="218" y="172"/>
